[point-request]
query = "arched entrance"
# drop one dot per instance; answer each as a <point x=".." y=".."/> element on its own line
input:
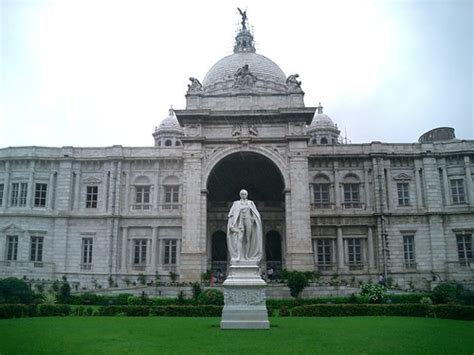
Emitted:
<point x="264" y="183"/>
<point x="219" y="252"/>
<point x="273" y="247"/>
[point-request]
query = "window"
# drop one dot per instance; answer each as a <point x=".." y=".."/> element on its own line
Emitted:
<point x="354" y="251"/>
<point x="170" y="252"/>
<point x="40" y="195"/>
<point x="36" y="253"/>
<point x="324" y="140"/>
<point x="464" y="249"/>
<point x="403" y="194"/>
<point x="12" y="247"/>
<point x="351" y="196"/>
<point x="171" y="194"/>
<point x="19" y="192"/>
<point x="457" y="191"/>
<point x="168" y="143"/>
<point x="321" y="195"/>
<point x="91" y="196"/>
<point x="409" y="251"/>
<point x="1" y="194"/>
<point x="324" y="251"/>
<point x="86" y="260"/>
<point x="142" y="196"/>
<point x="139" y="251"/>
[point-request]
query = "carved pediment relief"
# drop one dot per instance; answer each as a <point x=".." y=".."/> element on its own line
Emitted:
<point x="402" y="177"/>
<point x="92" y="181"/>
<point x="12" y="229"/>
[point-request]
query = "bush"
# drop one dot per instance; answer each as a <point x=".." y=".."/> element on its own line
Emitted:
<point x="64" y="295"/>
<point x="163" y="311"/>
<point x="53" y="310"/>
<point x="211" y="297"/>
<point x="297" y="281"/>
<point x="426" y="300"/>
<point x="13" y="290"/>
<point x="284" y="312"/>
<point x="15" y="311"/>
<point x="447" y="293"/>
<point x="453" y="311"/>
<point x="374" y="292"/>
<point x="196" y="290"/>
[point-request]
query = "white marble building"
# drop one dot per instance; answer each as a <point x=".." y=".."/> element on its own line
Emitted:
<point x="356" y="210"/>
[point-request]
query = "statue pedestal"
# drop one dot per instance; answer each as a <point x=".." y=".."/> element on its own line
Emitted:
<point x="244" y="298"/>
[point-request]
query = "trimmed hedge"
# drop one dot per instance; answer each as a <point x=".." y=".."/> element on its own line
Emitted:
<point x="403" y="310"/>
<point x="163" y="311"/>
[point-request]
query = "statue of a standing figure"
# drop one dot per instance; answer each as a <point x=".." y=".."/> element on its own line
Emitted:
<point x="244" y="231"/>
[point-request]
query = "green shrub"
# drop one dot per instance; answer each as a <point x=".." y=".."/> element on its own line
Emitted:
<point x="13" y="290"/>
<point x="426" y="300"/>
<point x="211" y="296"/>
<point x="297" y="281"/>
<point x="13" y="311"/>
<point x="284" y="312"/>
<point x="164" y="311"/>
<point x="453" y="311"/>
<point x="197" y="290"/>
<point x="447" y="292"/>
<point x="53" y="310"/>
<point x="374" y="292"/>
<point x="64" y="295"/>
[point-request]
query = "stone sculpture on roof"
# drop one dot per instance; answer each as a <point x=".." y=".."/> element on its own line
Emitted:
<point x="244" y="78"/>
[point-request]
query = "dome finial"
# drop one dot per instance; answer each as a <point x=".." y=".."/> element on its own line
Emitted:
<point x="171" y="111"/>
<point x="244" y="39"/>
<point x="320" y="108"/>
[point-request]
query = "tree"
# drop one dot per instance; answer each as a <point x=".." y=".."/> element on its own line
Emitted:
<point x="297" y="281"/>
<point x="13" y="290"/>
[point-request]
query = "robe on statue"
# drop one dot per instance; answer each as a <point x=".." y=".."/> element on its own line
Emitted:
<point x="244" y="232"/>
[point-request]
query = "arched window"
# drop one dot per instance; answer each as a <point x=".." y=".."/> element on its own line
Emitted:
<point x="324" y="140"/>
<point x="142" y="188"/>
<point x="321" y="191"/>
<point x="168" y="143"/>
<point x="351" y="187"/>
<point x="171" y="190"/>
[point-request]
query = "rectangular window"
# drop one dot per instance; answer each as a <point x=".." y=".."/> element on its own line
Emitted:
<point x="351" y="196"/>
<point x="324" y="252"/>
<point x="409" y="251"/>
<point x="170" y="251"/>
<point x="40" y="195"/>
<point x="321" y="195"/>
<point x="143" y="194"/>
<point x="36" y="253"/>
<point x="354" y="251"/>
<point x="403" y="194"/>
<point x="1" y="194"/>
<point x="12" y="247"/>
<point x="139" y="251"/>
<point x="87" y="244"/>
<point x="18" y="195"/>
<point x="171" y="194"/>
<point x="464" y="249"/>
<point x="457" y="191"/>
<point x="91" y="196"/>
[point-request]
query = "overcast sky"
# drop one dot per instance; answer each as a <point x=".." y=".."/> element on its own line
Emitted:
<point x="98" y="73"/>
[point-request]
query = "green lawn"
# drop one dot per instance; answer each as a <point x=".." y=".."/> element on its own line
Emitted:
<point x="155" y="335"/>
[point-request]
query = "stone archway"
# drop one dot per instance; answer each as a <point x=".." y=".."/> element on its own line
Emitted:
<point x="254" y="172"/>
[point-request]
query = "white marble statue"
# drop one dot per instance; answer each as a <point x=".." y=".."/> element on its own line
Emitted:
<point x="244" y="231"/>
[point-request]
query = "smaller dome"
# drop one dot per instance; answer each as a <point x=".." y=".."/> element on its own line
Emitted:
<point x="169" y="132"/>
<point x="169" y="123"/>
<point x="321" y="120"/>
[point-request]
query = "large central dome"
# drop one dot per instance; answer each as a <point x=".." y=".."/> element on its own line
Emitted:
<point x="245" y="80"/>
<point x="259" y="65"/>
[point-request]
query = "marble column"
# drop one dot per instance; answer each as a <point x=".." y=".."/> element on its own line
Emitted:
<point x="30" y="191"/>
<point x="447" y="198"/>
<point x="367" y="187"/>
<point x="6" y="186"/>
<point x="340" y="250"/>
<point x="419" y="192"/>
<point x="370" y="248"/>
<point x="51" y="191"/>
<point x="77" y="189"/>
<point x="469" y="183"/>
<point x="124" y="249"/>
<point x="154" y="238"/>
<point x="337" y="188"/>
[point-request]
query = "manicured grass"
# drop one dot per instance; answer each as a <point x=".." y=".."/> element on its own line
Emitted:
<point x="156" y="335"/>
